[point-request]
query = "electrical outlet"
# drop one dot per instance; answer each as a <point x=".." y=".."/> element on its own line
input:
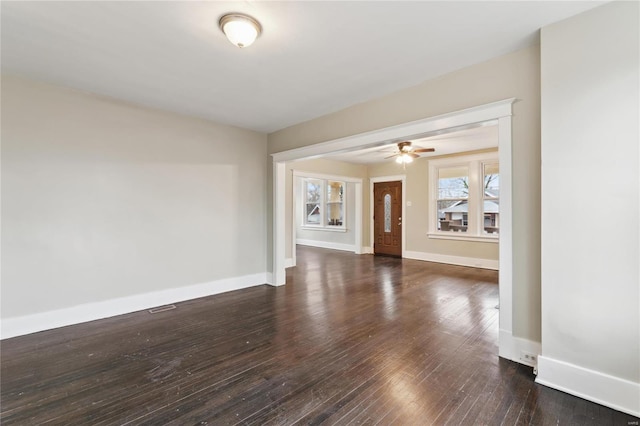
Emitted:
<point x="528" y="358"/>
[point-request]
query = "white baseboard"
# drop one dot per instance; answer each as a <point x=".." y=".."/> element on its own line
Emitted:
<point x="367" y="250"/>
<point x="18" y="326"/>
<point x="514" y="348"/>
<point x="288" y="263"/>
<point x="453" y="260"/>
<point x="327" y="245"/>
<point x="619" y="394"/>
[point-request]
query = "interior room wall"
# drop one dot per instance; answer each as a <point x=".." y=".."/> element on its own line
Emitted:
<point x="325" y="167"/>
<point x="416" y="218"/>
<point x="513" y="75"/>
<point x="590" y="160"/>
<point x="104" y="200"/>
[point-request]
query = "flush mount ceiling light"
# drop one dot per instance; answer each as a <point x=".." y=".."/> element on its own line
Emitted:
<point x="241" y="30"/>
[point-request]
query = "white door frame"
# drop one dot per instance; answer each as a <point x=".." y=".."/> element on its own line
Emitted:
<point x="500" y="112"/>
<point x="377" y="179"/>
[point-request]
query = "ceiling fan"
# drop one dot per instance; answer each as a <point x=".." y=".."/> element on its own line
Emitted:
<point x="406" y="153"/>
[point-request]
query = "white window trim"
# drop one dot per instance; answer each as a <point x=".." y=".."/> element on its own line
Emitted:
<point x="328" y="228"/>
<point x="303" y="196"/>
<point x="475" y="164"/>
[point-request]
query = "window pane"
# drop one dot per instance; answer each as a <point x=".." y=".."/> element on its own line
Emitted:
<point x="387" y="213"/>
<point x="453" y="183"/>
<point x="313" y="213"/>
<point x="334" y="214"/>
<point x="335" y="195"/>
<point x="453" y="193"/>
<point x="313" y="188"/>
<point x="491" y="181"/>
<point x="313" y="206"/>
<point x="453" y="216"/>
<point x="491" y="214"/>
<point x="491" y="204"/>
<point x="335" y="191"/>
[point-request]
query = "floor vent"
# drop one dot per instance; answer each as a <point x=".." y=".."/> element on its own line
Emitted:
<point x="161" y="309"/>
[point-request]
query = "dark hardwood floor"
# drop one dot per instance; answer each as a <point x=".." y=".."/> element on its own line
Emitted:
<point x="349" y="340"/>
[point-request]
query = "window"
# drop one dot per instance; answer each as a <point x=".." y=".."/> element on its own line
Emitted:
<point x="465" y="195"/>
<point x="324" y="205"/>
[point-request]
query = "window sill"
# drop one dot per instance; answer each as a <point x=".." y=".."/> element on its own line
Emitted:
<point x="462" y="237"/>
<point x="324" y="228"/>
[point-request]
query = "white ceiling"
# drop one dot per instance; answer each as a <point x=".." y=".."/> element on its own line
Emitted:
<point x="313" y="58"/>
<point x="473" y="139"/>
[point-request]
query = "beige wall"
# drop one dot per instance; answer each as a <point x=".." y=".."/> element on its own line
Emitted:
<point x="514" y="75"/>
<point x="101" y="199"/>
<point x="590" y="68"/>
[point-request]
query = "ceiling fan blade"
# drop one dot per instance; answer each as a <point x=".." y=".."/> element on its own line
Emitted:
<point x="394" y="155"/>
<point x="424" y="150"/>
<point x="412" y="154"/>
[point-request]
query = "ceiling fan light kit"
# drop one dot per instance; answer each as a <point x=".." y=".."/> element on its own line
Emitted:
<point x="404" y="159"/>
<point x="241" y="30"/>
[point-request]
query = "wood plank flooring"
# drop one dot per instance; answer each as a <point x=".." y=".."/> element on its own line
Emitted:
<point x="349" y="340"/>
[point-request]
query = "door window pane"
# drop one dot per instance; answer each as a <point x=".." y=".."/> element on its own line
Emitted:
<point x="387" y="213"/>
